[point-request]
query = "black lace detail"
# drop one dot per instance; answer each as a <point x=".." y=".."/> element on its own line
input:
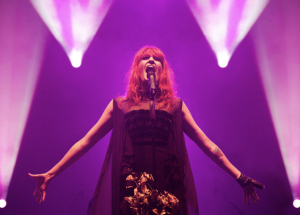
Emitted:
<point x="139" y="126"/>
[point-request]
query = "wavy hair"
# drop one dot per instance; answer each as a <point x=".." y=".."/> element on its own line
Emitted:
<point x="165" y="80"/>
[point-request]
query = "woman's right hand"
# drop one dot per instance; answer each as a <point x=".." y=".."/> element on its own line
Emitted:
<point x="43" y="181"/>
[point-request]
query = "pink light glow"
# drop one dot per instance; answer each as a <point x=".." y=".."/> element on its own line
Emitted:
<point x="225" y="23"/>
<point x="22" y="43"/>
<point x="2" y="203"/>
<point x="277" y="45"/>
<point x="296" y="203"/>
<point x="73" y="23"/>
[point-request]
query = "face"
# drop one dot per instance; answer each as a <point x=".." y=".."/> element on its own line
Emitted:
<point x="146" y="61"/>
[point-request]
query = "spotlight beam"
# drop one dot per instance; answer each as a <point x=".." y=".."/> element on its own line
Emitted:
<point x="22" y="44"/>
<point x="73" y="23"/>
<point x="225" y="23"/>
<point x="277" y="48"/>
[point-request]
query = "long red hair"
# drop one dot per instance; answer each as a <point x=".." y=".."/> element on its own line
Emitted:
<point x="165" y="80"/>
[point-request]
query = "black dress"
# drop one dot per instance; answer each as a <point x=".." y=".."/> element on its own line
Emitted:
<point x="149" y="140"/>
<point x="131" y="148"/>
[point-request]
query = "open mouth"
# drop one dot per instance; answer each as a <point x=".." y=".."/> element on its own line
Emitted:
<point x="150" y="67"/>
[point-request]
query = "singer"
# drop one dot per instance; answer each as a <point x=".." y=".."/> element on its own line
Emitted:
<point x="141" y="144"/>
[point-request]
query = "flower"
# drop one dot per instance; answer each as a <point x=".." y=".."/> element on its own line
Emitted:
<point x="131" y="180"/>
<point x="172" y="200"/>
<point x="159" y="213"/>
<point x="145" y="177"/>
<point x="162" y="199"/>
<point x="146" y="199"/>
<point x="129" y="199"/>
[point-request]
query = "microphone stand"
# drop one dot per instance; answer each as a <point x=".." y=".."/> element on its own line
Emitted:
<point x="151" y="78"/>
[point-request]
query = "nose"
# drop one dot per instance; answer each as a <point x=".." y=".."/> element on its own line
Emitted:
<point x="151" y="60"/>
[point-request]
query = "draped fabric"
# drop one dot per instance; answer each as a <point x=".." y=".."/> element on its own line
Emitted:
<point x="178" y="175"/>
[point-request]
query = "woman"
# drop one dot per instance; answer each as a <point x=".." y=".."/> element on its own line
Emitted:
<point x="132" y="148"/>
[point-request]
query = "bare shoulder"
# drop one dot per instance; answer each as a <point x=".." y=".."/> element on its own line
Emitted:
<point x="121" y="103"/>
<point x="185" y="108"/>
<point x="120" y="99"/>
<point x="187" y="116"/>
<point x="177" y="105"/>
<point x="109" y="109"/>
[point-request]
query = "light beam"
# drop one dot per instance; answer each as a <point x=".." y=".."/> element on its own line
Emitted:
<point x="22" y="38"/>
<point x="73" y="23"/>
<point x="276" y="39"/>
<point x="225" y="23"/>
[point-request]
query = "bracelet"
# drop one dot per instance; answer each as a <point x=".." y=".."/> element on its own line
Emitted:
<point x="244" y="181"/>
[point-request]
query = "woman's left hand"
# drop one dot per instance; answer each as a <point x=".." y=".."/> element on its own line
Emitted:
<point x="250" y="191"/>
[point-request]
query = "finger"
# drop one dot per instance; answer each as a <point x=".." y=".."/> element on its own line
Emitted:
<point x="35" y="191"/>
<point x="256" y="196"/>
<point x="44" y="196"/>
<point x="32" y="176"/>
<point x="252" y="197"/>
<point x="258" y="185"/>
<point x="38" y="197"/>
<point x="247" y="200"/>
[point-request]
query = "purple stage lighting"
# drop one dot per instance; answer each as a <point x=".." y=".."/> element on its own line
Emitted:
<point x="73" y="23"/>
<point x="225" y="23"/>
<point x="277" y="45"/>
<point x="22" y="45"/>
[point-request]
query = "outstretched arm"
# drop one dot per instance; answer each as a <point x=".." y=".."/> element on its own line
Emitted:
<point x="192" y="130"/>
<point x="98" y="131"/>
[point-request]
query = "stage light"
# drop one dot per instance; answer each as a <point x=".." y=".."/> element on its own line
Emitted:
<point x="73" y="23"/>
<point x="22" y="46"/>
<point x="223" y="58"/>
<point x="277" y="45"/>
<point x="2" y="203"/>
<point x="296" y="203"/>
<point x="75" y="57"/>
<point x="225" y="23"/>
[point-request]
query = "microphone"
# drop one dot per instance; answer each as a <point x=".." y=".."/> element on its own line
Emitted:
<point x="150" y="70"/>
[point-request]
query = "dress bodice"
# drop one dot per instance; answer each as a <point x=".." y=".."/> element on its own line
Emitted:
<point x="141" y="128"/>
<point x="148" y="155"/>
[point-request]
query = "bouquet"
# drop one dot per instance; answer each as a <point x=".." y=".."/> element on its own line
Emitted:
<point x="147" y="201"/>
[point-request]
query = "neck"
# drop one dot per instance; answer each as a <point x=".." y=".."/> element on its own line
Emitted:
<point x="145" y="86"/>
<point x="145" y="96"/>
